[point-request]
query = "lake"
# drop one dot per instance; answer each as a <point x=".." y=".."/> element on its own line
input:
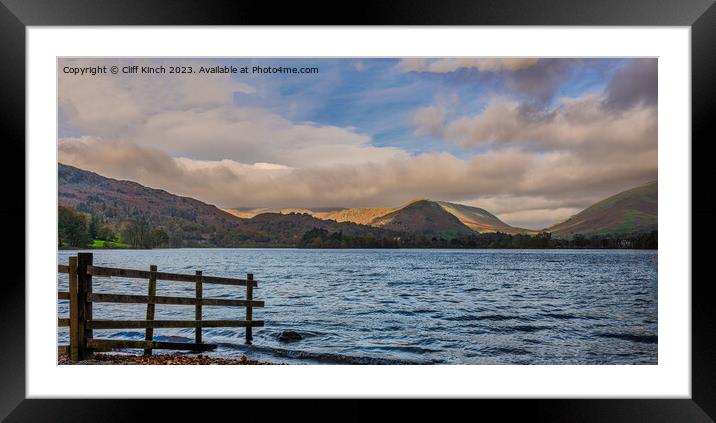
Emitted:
<point x="407" y="306"/>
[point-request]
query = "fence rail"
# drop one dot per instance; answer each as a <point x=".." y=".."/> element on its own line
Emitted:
<point x="149" y="299"/>
<point x="144" y="274"/>
<point x="80" y="271"/>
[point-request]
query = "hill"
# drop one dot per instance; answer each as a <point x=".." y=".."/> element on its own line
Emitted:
<point x="290" y="228"/>
<point x="475" y="218"/>
<point x="630" y="212"/>
<point x="480" y="220"/>
<point x="248" y="213"/>
<point x="360" y="215"/>
<point x="187" y="221"/>
<point x="129" y="211"/>
<point x="423" y="217"/>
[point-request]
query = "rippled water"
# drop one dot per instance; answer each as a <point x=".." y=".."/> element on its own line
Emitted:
<point x="408" y="306"/>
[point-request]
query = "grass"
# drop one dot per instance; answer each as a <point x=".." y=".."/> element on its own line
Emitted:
<point x="99" y="243"/>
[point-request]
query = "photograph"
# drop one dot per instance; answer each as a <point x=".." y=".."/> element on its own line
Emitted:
<point x="357" y="210"/>
<point x="498" y="202"/>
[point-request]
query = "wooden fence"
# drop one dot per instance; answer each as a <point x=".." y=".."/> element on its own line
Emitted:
<point x="82" y="343"/>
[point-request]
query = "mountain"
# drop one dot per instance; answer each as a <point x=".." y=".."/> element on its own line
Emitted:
<point x="360" y="215"/>
<point x="277" y="228"/>
<point x="423" y="217"/>
<point x="187" y="221"/>
<point x="248" y="213"/>
<point x="475" y="218"/>
<point x="480" y="220"/>
<point x="124" y="205"/>
<point x="118" y="202"/>
<point x="630" y="212"/>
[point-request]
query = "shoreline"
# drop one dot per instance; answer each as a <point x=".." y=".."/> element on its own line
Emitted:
<point x="159" y="359"/>
<point x="350" y="248"/>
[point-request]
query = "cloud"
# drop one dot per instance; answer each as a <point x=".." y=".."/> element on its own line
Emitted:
<point x="575" y="124"/>
<point x="429" y="120"/>
<point x="538" y="211"/>
<point x="502" y="204"/>
<point x="255" y="135"/>
<point x="634" y="84"/>
<point x="195" y="116"/>
<point x="113" y="105"/>
<point x="537" y="79"/>
<point x="526" y="160"/>
<point x="539" y="82"/>
<point x="270" y="166"/>
<point x="538" y="218"/>
<point x="608" y="127"/>
<point x="454" y="64"/>
<point x="440" y="176"/>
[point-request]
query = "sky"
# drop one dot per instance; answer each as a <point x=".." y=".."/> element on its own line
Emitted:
<point x="532" y="140"/>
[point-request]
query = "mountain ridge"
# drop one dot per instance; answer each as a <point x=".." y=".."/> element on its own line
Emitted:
<point x="189" y="222"/>
<point x="423" y="217"/>
<point x="628" y="212"/>
<point x="474" y="218"/>
<point x="196" y="223"/>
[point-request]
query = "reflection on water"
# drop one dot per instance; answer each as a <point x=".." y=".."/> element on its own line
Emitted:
<point x="408" y="306"/>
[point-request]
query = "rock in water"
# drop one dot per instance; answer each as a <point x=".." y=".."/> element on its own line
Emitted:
<point x="289" y="336"/>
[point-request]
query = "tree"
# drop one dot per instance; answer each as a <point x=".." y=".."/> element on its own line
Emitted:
<point x="176" y="235"/>
<point x="160" y="237"/>
<point x="106" y="232"/>
<point x="72" y="228"/>
<point x="137" y="234"/>
<point x="93" y="226"/>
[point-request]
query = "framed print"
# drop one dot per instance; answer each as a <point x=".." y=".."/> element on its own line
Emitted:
<point x="454" y="201"/>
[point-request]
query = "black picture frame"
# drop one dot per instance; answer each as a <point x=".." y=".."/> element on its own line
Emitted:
<point x="16" y="15"/>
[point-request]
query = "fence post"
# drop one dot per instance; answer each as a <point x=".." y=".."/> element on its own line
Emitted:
<point x="249" y="309"/>
<point x="152" y="292"/>
<point x="197" y="307"/>
<point x="84" y="305"/>
<point x="74" y="321"/>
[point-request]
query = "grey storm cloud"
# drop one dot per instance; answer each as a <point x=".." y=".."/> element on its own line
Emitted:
<point x="540" y="81"/>
<point x="622" y="118"/>
<point x="634" y="84"/>
<point x="536" y="78"/>
<point x="579" y="126"/>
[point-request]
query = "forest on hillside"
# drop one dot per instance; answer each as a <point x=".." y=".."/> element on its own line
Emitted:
<point x="319" y="238"/>
<point x="84" y="230"/>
